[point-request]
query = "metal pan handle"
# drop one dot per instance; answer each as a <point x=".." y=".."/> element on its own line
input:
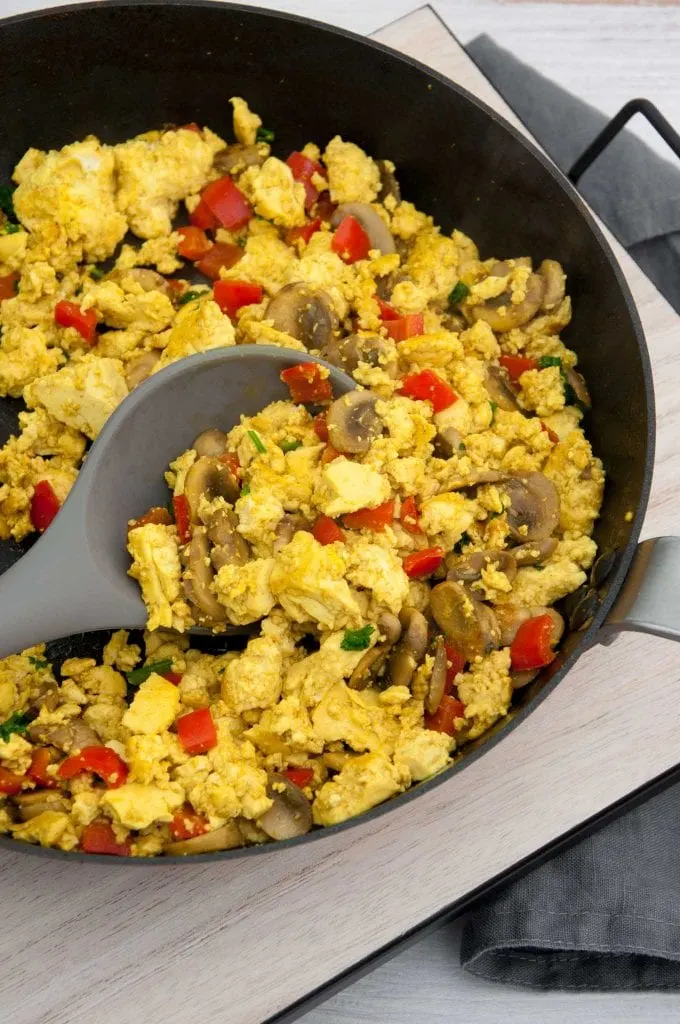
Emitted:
<point x="610" y="130"/>
<point x="649" y="600"/>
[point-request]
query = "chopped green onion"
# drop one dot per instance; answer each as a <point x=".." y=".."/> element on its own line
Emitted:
<point x="545" y="361"/>
<point x="462" y="447"/>
<point x="189" y="297"/>
<point x="97" y="273"/>
<point x="290" y="445"/>
<point x="457" y="294"/>
<point x="570" y="396"/>
<point x="7" y="201"/>
<point x="38" y="662"/>
<point x="264" y="135"/>
<point x="356" y="639"/>
<point x="10" y="229"/>
<point x="494" y="406"/>
<point x="245" y="490"/>
<point x="140" y="675"/>
<point x="241" y="240"/>
<point x="257" y="441"/>
<point x="16" y="723"/>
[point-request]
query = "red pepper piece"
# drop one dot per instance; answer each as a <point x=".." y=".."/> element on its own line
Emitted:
<point x="327" y="531"/>
<point x="551" y="433"/>
<point x="231" y="295"/>
<point x="533" y="643"/>
<point x="387" y="312"/>
<point x="304" y="232"/>
<point x="350" y="241"/>
<point x="300" y="777"/>
<point x="517" y="365"/>
<point x="8" y="285"/>
<point x="230" y="460"/>
<point x="182" y="517"/>
<point x="44" y="505"/>
<point x="99" y="837"/>
<point x="307" y="383"/>
<point x="101" y="761"/>
<point x="428" y="386"/>
<point x="226" y="201"/>
<point x="325" y="208"/>
<point x="423" y="563"/>
<point x="10" y="783"/>
<point x="203" y="217"/>
<point x="173" y="677"/>
<point x="196" y="731"/>
<point x="158" y="516"/>
<point x="409" y="516"/>
<point x="195" y="243"/>
<point x="330" y="454"/>
<point x="303" y="170"/>
<point x="191" y="126"/>
<point x="321" y="427"/>
<point x="370" y="518"/>
<point x="405" y="327"/>
<point x="187" y="824"/>
<point x="68" y="314"/>
<point x="444" y="718"/>
<point x="455" y="663"/>
<point x="221" y="254"/>
<point x="40" y="759"/>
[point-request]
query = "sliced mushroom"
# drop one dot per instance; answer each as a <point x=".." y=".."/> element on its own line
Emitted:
<point x="46" y="696"/>
<point x="468" y="624"/>
<point x="226" y="837"/>
<point x="211" y="442"/>
<point x="73" y="735"/>
<point x="447" y="442"/>
<point x="521" y="679"/>
<point x="411" y="648"/>
<point x="438" y="677"/>
<point x="579" y="387"/>
<point x="468" y="568"/>
<point x="304" y="313"/>
<point x="378" y="233"/>
<point x="353" y="422"/>
<point x="554" y="280"/>
<point x="374" y="660"/>
<point x="229" y="547"/>
<point x="499" y="388"/>
<point x="32" y="804"/>
<point x="389" y="186"/>
<point x="238" y="156"/>
<point x="534" y="511"/>
<point x="353" y="349"/>
<point x="149" y="280"/>
<point x="198" y="582"/>
<point x="287" y="527"/>
<point x="534" y="553"/>
<point x="509" y="618"/>
<point x="501" y="314"/>
<point x="454" y="322"/>
<point x="137" y="370"/>
<point x="479" y="476"/>
<point x="210" y="478"/>
<point x="291" y="813"/>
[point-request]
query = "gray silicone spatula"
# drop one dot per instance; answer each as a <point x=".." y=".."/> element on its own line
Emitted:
<point x="74" y="579"/>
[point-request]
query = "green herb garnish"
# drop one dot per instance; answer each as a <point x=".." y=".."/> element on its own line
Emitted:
<point x="38" y="662"/>
<point x="189" y="297"/>
<point x="290" y="445"/>
<point x="457" y="294"/>
<point x="494" y="406"/>
<point x="241" y="241"/>
<point x="264" y="135"/>
<point x="7" y="201"/>
<point x="245" y="490"/>
<point x="10" y="229"/>
<point x="462" y="447"/>
<point x="545" y="361"/>
<point x="357" y="639"/>
<point x="140" y="675"/>
<point x="257" y="441"/>
<point x="570" y="396"/>
<point x="97" y="273"/>
<point x="16" y="723"/>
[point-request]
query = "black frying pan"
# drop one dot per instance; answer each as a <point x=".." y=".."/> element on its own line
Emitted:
<point x="117" y="69"/>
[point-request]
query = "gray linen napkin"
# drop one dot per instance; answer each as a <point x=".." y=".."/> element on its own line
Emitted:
<point x="604" y="915"/>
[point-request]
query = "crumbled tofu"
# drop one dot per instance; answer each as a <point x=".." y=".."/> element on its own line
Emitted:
<point x="82" y="395"/>
<point x="154" y="706"/>
<point x="363" y="783"/>
<point x="246" y="122"/>
<point x="245" y="590"/>
<point x="346" y="486"/>
<point x="307" y="581"/>
<point x="156" y="567"/>
<point x="136" y="805"/>
<point x="353" y="177"/>
<point x="274" y="192"/>
<point x="254" y="679"/>
<point x="198" y="326"/>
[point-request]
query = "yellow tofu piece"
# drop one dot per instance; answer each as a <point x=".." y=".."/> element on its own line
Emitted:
<point x="15" y="754"/>
<point x="285" y="729"/>
<point x="345" y="486"/>
<point x="83" y="394"/>
<point x="579" y="479"/>
<point x="154" y="706"/>
<point x="156" y="567"/>
<point x="255" y="678"/>
<point x="407" y="221"/>
<point x="307" y="581"/>
<point x="126" y="304"/>
<point x="486" y="691"/>
<point x="423" y="752"/>
<point x="245" y="590"/>
<point x="446" y="517"/>
<point x="51" y="828"/>
<point x="542" y="391"/>
<point x="25" y="357"/>
<point x="136" y="805"/>
<point x="363" y="783"/>
<point x="42" y="434"/>
<point x="246" y="121"/>
<point x="352" y="175"/>
<point x="274" y="192"/>
<point x="266" y="260"/>
<point x="198" y="326"/>
<point x="148" y="756"/>
<point x="378" y="570"/>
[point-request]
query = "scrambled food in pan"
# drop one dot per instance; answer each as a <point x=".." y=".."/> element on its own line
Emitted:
<point x="397" y="551"/>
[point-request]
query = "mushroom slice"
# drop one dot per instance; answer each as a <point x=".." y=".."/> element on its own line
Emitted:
<point x="291" y="813"/>
<point x="238" y="156"/>
<point x="501" y="314"/>
<point x="149" y="280"/>
<point x="468" y="568"/>
<point x="447" y="442"/>
<point x="374" y="660"/>
<point x="137" y="370"/>
<point x="499" y="387"/>
<point x="229" y="547"/>
<point x="438" y="677"/>
<point x="211" y="442"/>
<point x="509" y="618"/>
<point x="579" y="387"/>
<point x="198" y="582"/>
<point x="521" y="679"/>
<point x="353" y="349"/>
<point x="290" y="524"/>
<point x="411" y="648"/>
<point x="73" y="735"/>
<point x="32" y="804"/>
<point x="534" y="511"/>
<point x="389" y="186"/>
<point x="304" y="313"/>
<point x="226" y="837"/>
<point x="46" y="696"/>
<point x="534" y="554"/>
<point x="554" y="280"/>
<point x="378" y="233"/>
<point x="210" y="477"/>
<point x="468" y="624"/>
<point x="353" y="422"/>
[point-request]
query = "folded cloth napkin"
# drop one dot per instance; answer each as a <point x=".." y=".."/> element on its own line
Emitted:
<point x="605" y="914"/>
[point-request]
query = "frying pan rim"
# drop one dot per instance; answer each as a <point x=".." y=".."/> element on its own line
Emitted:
<point x="402" y="801"/>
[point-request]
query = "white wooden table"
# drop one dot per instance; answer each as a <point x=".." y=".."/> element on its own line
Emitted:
<point x="239" y="942"/>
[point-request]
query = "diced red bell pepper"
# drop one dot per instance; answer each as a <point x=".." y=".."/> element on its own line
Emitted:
<point x="307" y="383"/>
<point x="327" y="531"/>
<point x="370" y="518"/>
<point x="455" y="663"/>
<point x="226" y="201"/>
<point x="10" y="783"/>
<point x="300" y="777"/>
<point x="405" y="327"/>
<point x="101" y="761"/>
<point x="203" y="217"/>
<point x="303" y="170"/>
<point x="444" y="718"/>
<point x="321" y="427"/>
<point x="231" y="295"/>
<point x="325" y="207"/>
<point x="187" y="824"/>
<point x="350" y="241"/>
<point x="532" y="646"/>
<point x="158" y="516"/>
<point x="40" y="759"/>
<point x="329" y="454"/>
<point x="196" y="731"/>
<point x="230" y="460"/>
<point x="44" y="505"/>
<point x="304" y="232"/>
<point x="409" y="516"/>
<point x="387" y="312"/>
<point x="68" y="314"/>
<point x="423" y="563"/>
<point x="8" y="285"/>
<point x="551" y="433"/>
<point x="173" y="677"/>
<point x="180" y="507"/>
<point x="175" y="285"/>
<point x="517" y="365"/>
<point x="428" y="386"/>
<point x="191" y="126"/>
<point x="195" y="243"/>
<point x="99" y="837"/>
<point x="221" y="254"/>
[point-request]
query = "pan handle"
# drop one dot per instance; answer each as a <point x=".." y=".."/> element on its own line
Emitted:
<point x="649" y="600"/>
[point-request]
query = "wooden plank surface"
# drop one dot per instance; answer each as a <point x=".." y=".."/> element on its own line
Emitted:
<point x="238" y="942"/>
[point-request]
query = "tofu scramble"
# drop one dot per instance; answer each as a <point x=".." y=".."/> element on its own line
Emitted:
<point x="397" y="551"/>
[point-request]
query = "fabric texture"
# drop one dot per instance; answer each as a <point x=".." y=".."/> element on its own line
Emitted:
<point x="605" y="914"/>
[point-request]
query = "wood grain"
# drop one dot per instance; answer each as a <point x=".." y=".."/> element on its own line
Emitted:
<point x="239" y="941"/>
